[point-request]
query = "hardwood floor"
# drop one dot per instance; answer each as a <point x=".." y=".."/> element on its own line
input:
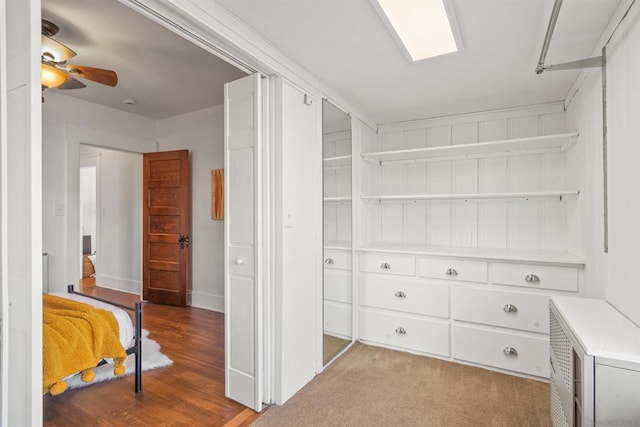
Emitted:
<point x="189" y="392"/>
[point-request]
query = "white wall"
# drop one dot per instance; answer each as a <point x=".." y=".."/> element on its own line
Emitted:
<point x="119" y="245"/>
<point x="298" y="256"/>
<point x="202" y="133"/>
<point x="67" y="122"/>
<point x="619" y="269"/>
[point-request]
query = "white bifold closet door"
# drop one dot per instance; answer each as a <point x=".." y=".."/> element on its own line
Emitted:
<point x="243" y="241"/>
<point x="20" y="213"/>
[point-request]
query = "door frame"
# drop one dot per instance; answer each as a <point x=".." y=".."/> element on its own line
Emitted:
<point x="76" y="135"/>
<point x="213" y="35"/>
<point x="88" y="161"/>
<point x="4" y="199"/>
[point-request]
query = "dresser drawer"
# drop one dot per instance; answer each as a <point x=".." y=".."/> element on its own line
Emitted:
<point x="453" y="269"/>
<point x="410" y="296"/>
<point x="528" y="355"/>
<point x="406" y="332"/>
<point x="337" y="319"/>
<point x="337" y="285"/>
<point x="337" y="259"/>
<point x="388" y="264"/>
<point x="535" y="276"/>
<point x="514" y="310"/>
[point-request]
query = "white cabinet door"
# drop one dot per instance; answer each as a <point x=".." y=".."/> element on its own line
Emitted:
<point x="243" y="286"/>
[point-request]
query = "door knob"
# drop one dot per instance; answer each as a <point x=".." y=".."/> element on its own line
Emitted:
<point x="239" y="261"/>
<point x="183" y="240"/>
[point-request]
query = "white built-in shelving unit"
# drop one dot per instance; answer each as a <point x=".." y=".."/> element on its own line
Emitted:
<point x="464" y="230"/>
<point x="508" y="147"/>
<point x="546" y="144"/>
<point x="494" y="254"/>
<point x="339" y="199"/>
<point x="337" y="161"/>
<point x="516" y="195"/>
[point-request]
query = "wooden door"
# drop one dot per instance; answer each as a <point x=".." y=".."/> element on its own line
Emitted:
<point x="166" y="230"/>
<point x="243" y="241"/>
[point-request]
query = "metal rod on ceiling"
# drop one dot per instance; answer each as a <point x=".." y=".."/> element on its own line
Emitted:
<point x="572" y="65"/>
<point x="547" y="38"/>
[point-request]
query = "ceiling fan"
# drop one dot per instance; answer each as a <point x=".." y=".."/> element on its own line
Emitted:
<point x="56" y="73"/>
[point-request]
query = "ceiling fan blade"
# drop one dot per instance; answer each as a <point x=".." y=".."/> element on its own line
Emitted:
<point x="99" y="75"/>
<point x="55" y="51"/>
<point x="72" y="83"/>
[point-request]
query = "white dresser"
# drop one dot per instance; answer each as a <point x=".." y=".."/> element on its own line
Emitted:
<point x="595" y="364"/>
<point x="489" y="312"/>
<point x="337" y="293"/>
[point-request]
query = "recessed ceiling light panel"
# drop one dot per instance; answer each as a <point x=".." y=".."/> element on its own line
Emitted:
<point x="423" y="28"/>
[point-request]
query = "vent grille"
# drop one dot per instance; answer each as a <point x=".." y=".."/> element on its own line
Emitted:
<point x="561" y="349"/>
<point x="558" y="418"/>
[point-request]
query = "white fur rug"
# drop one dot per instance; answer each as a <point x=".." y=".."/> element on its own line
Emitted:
<point x="152" y="358"/>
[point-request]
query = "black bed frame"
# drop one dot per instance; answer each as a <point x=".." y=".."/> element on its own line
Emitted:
<point x="137" y="339"/>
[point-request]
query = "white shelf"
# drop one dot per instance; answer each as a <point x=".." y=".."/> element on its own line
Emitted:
<point x="600" y="328"/>
<point x="342" y="199"/>
<point x="522" y="195"/>
<point x="337" y="244"/>
<point x="331" y="162"/>
<point x="507" y="147"/>
<point x="518" y="255"/>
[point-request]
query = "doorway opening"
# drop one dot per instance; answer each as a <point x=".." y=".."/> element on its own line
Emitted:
<point x="110" y="198"/>
<point x="90" y="116"/>
<point x="88" y="220"/>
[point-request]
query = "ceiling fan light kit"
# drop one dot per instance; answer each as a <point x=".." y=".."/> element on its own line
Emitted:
<point x="56" y="73"/>
<point x="51" y="77"/>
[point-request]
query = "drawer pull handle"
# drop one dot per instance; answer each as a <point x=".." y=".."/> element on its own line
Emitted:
<point x="239" y="261"/>
<point x="510" y="351"/>
<point x="510" y="308"/>
<point x="531" y="278"/>
<point x="329" y="261"/>
<point x="385" y="266"/>
<point x="451" y="272"/>
<point x="401" y="331"/>
<point x="401" y="294"/>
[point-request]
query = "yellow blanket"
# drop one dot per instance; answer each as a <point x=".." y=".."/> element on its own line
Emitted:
<point x="76" y="337"/>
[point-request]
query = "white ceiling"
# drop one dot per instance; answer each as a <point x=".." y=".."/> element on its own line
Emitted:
<point x="164" y="73"/>
<point x="345" y="45"/>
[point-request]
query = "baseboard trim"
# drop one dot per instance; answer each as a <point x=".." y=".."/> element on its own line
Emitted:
<point x="207" y="301"/>
<point x="119" y="284"/>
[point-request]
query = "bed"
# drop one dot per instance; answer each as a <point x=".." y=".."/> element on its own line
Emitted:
<point x="92" y="335"/>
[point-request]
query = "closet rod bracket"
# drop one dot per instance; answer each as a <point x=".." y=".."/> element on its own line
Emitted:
<point x="573" y="65"/>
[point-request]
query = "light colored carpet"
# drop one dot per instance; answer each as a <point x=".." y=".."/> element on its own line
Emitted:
<point x="152" y="358"/>
<point x="331" y="346"/>
<point x="372" y="386"/>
